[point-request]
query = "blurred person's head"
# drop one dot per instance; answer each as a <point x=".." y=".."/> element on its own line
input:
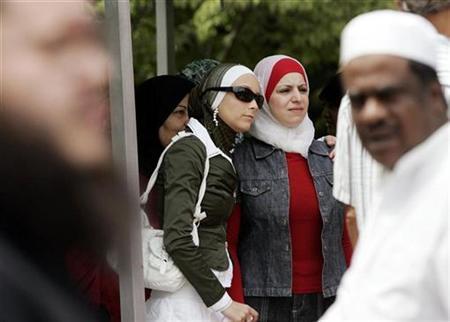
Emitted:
<point x="161" y="112"/>
<point x="55" y="74"/>
<point x="196" y="70"/>
<point x="436" y="11"/>
<point x="227" y="98"/>
<point x="331" y="95"/>
<point x="423" y="7"/>
<point x="397" y="101"/>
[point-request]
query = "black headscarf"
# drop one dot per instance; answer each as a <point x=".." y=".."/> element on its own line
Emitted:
<point x="156" y="98"/>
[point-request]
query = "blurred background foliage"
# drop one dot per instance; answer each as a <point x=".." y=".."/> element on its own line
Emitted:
<point x="244" y="31"/>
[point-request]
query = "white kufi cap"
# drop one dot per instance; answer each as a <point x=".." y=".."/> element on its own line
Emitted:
<point x="389" y="32"/>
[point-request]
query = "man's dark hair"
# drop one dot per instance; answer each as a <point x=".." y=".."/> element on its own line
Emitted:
<point x="424" y="73"/>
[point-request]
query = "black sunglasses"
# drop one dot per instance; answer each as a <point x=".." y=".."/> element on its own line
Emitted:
<point x="243" y="94"/>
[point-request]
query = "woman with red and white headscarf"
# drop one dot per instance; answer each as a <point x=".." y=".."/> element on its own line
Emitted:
<point x="292" y="248"/>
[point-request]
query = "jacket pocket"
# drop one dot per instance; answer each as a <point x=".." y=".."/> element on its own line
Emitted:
<point x="259" y="202"/>
<point x="255" y="188"/>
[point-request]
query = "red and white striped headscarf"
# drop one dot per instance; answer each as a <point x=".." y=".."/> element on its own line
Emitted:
<point x="266" y="127"/>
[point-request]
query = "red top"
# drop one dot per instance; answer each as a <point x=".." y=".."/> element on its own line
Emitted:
<point x="235" y="291"/>
<point x="305" y="225"/>
<point x="306" y="228"/>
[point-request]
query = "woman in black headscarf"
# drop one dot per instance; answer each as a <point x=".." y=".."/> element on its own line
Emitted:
<point x="161" y="112"/>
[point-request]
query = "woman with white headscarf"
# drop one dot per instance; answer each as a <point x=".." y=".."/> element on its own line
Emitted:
<point x="291" y="246"/>
<point x="223" y="105"/>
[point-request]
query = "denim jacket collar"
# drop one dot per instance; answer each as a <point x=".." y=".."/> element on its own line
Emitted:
<point x="262" y="150"/>
<point x="317" y="148"/>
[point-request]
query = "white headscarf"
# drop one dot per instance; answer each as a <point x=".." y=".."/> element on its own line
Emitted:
<point x="266" y="127"/>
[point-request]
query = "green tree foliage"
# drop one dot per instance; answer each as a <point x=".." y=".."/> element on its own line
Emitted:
<point x="245" y="31"/>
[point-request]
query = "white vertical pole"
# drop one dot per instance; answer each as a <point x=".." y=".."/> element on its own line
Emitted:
<point x="123" y="128"/>
<point x="165" y="60"/>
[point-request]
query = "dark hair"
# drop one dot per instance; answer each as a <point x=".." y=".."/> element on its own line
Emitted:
<point x="156" y="99"/>
<point x="424" y="73"/>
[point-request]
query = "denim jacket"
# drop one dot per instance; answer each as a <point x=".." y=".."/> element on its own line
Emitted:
<point x="265" y="243"/>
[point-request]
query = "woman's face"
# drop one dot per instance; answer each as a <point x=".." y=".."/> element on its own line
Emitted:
<point x="237" y="114"/>
<point x="289" y="101"/>
<point x="175" y="123"/>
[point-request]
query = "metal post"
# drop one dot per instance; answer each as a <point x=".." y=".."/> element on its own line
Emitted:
<point x="123" y="128"/>
<point x="165" y="58"/>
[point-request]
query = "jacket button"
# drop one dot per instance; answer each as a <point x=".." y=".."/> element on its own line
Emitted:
<point x="321" y="193"/>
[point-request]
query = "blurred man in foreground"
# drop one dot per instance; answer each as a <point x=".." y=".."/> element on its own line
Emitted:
<point x="399" y="271"/>
<point x="54" y="114"/>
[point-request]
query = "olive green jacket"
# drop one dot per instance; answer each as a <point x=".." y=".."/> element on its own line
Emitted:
<point x="177" y="188"/>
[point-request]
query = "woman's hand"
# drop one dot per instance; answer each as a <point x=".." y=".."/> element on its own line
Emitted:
<point x="238" y="312"/>
<point x="330" y="140"/>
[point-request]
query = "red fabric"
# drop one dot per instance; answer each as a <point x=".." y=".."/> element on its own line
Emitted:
<point x="306" y="227"/>
<point x="236" y="291"/>
<point x="97" y="281"/>
<point x="280" y="68"/>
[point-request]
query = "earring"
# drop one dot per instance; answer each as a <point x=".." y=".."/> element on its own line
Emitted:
<point x="215" y="113"/>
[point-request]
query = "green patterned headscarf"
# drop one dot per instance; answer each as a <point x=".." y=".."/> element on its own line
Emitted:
<point x="198" y="69"/>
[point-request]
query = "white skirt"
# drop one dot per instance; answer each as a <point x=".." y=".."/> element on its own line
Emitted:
<point x="185" y="305"/>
